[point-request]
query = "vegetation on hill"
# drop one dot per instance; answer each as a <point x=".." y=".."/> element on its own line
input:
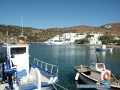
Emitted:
<point x="9" y="32"/>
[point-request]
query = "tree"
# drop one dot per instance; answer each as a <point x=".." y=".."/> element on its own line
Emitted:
<point x="118" y="42"/>
<point x="106" y="39"/>
<point x="82" y="41"/>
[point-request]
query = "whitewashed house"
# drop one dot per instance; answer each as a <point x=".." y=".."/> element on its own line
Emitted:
<point x="95" y="39"/>
<point x="66" y="38"/>
<point x="69" y="38"/>
<point x="55" y="40"/>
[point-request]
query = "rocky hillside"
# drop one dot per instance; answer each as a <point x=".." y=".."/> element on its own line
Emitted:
<point x="40" y="35"/>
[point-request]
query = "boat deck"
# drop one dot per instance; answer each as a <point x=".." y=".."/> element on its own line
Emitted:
<point x="82" y="69"/>
<point x="43" y="79"/>
<point x="2" y="86"/>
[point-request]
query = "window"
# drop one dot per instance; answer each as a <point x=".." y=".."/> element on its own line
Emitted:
<point x="18" y="50"/>
<point x="100" y="66"/>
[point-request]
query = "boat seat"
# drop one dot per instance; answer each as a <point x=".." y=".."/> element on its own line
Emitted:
<point x="33" y="82"/>
<point x="21" y="73"/>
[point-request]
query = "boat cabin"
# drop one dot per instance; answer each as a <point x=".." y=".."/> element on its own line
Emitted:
<point x="98" y="67"/>
<point x="17" y="56"/>
<point x="99" y="71"/>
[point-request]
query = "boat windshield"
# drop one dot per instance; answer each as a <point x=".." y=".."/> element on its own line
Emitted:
<point x="100" y="66"/>
<point x="18" y="50"/>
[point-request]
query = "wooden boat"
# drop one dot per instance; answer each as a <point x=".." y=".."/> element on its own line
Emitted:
<point x="97" y="74"/>
<point x="19" y="73"/>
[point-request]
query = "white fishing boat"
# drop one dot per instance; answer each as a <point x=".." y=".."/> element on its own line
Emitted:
<point x="97" y="74"/>
<point x="18" y="73"/>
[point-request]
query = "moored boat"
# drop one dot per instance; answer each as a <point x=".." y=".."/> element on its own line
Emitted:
<point x="18" y="73"/>
<point x="103" y="48"/>
<point x="97" y="74"/>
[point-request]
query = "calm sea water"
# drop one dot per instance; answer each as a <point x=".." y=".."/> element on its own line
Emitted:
<point x="69" y="56"/>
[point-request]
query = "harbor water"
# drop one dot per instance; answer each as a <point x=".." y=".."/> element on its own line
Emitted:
<point x="69" y="56"/>
<point x="66" y="57"/>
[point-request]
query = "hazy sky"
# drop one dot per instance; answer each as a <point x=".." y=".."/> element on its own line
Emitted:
<point x="44" y="14"/>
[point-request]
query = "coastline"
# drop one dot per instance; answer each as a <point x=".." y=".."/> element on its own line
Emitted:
<point x="100" y="45"/>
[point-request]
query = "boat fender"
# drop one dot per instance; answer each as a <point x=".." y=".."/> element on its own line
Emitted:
<point x="80" y="66"/>
<point x="77" y="76"/>
<point x="51" y="80"/>
<point x="106" y="76"/>
<point x="54" y="80"/>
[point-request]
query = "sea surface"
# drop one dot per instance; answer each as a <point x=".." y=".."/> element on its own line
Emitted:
<point x="69" y="56"/>
<point x="66" y="57"/>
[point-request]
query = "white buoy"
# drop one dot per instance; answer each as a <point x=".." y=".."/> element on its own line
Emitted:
<point x="77" y="76"/>
<point x="51" y="80"/>
<point x="54" y="80"/>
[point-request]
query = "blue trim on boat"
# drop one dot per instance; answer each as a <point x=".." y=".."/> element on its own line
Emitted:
<point x="45" y="73"/>
<point x="28" y="86"/>
<point x="100" y="49"/>
<point x="10" y="70"/>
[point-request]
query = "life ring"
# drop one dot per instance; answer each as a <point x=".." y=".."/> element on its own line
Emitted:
<point x="106" y="76"/>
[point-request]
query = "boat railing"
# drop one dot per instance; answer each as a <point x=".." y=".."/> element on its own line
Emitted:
<point x="53" y="69"/>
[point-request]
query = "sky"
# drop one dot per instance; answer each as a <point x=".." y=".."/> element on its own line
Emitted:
<point x="44" y="14"/>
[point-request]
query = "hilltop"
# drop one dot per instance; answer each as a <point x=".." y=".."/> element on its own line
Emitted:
<point x="40" y="35"/>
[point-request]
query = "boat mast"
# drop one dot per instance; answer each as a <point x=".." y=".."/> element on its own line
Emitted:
<point x="21" y="24"/>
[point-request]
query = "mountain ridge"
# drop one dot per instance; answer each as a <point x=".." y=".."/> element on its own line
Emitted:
<point x="40" y="35"/>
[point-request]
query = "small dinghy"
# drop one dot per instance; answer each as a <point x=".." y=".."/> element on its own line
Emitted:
<point x="97" y="74"/>
<point x="103" y="48"/>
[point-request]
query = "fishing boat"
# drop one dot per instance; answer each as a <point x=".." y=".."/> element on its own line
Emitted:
<point x="103" y="48"/>
<point x="97" y="74"/>
<point x="18" y="72"/>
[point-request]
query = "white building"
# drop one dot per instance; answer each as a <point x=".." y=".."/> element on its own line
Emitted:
<point x="69" y="38"/>
<point x="95" y="39"/>
<point x="66" y="38"/>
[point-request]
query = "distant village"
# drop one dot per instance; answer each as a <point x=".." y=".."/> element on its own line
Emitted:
<point x="70" y="38"/>
<point x="85" y="38"/>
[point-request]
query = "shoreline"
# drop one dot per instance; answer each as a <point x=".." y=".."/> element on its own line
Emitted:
<point x="100" y="45"/>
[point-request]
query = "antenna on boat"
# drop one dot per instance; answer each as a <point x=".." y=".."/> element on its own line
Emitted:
<point x="21" y="24"/>
<point x="21" y="38"/>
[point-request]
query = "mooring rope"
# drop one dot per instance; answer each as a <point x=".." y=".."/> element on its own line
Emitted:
<point x="54" y="86"/>
<point x="115" y="78"/>
<point x="61" y="86"/>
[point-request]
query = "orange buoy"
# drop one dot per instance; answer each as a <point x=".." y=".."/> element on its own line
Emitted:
<point x="106" y="76"/>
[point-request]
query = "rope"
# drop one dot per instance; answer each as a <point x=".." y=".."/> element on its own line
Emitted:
<point x="54" y="86"/>
<point x="115" y="78"/>
<point x="61" y="86"/>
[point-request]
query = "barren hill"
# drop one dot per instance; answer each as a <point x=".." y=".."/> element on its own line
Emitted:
<point x="38" y="35"/>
